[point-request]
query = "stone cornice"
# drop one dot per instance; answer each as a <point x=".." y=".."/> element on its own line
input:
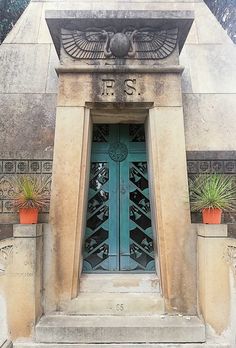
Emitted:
<point x="177" y="69"/>
<point x="79" y="22"/>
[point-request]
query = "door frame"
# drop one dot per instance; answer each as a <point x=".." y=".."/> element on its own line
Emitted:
<point x="108" y="114"/>
<point x="166" y="155"/>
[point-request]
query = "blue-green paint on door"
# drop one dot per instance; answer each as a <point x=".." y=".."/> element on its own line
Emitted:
<point x="118" y="234"/>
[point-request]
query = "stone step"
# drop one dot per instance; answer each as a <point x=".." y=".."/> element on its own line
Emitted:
<point x="118" y="283"/>
<point x="131" y="345"/>
<point x="115" y="304"/>
<point x="119" y="329"/>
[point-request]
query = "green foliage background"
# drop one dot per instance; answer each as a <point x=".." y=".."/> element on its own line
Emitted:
<point x="224" y="10"/>
<point x="10" y="11"/>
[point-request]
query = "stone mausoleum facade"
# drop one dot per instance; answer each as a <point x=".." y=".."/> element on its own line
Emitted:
<point x="117" y="103"/>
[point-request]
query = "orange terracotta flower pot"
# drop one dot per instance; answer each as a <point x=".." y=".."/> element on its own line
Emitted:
<point x="211" y="215"/>
<point x="28" y="215"/>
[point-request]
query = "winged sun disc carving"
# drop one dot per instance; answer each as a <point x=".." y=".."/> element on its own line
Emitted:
<point x="98" y="43"/>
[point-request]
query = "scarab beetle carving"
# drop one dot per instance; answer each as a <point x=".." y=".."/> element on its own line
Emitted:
<point x="97" y="43"/>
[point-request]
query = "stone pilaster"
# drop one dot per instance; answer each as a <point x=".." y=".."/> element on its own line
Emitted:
<point x="25" y="281"/>
<point x="68" y="199"/>
<point x="171" y="214"/>
<point x="213" y="276"/>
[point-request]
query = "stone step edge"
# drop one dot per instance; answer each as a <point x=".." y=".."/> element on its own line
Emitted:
<point x="121" y="345"/>
<point x="115" y="329"/>
<point x="175" y="319"/>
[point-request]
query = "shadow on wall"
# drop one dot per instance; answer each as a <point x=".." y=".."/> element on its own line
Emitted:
<point x="3" y="317"/>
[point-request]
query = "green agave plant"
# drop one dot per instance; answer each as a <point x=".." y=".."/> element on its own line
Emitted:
<point x="212" y="191"/>
<point x="30" y="192"/>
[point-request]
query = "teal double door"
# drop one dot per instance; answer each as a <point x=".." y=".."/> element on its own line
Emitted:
<point x="118" y="234"/>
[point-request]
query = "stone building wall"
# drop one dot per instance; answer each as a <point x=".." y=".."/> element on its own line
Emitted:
<point x="28" y="88"/>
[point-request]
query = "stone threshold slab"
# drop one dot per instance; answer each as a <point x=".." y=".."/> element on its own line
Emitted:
<point x="120" y="329"/>
<point x="120" y="283"/>
<point x="115" y="304"/>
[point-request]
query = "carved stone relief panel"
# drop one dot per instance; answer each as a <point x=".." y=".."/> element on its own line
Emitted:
<point x="211" y="166"/>
<point x="230" y="257"/>
<point x="6" y="248"/>
<point x="11" y="168"/>
<point x="131" y="42"/>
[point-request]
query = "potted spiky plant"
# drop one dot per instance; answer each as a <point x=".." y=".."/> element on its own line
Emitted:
<point x="30" y="195"/>
<point x="211" y="194"/>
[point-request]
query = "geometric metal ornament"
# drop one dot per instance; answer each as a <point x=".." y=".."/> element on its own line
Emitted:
<point x="119" y="235"/>
<point x="118" y="151"/>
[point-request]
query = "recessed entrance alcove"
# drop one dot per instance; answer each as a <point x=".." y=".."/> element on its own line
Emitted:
<point x="121" y="225"/>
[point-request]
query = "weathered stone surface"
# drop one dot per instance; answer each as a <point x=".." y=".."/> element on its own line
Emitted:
<point x="123" y="1"/>
<point x="120" y="283"/>
<point x="44" y="34"/>
<point x="27" y="231"/>
<point x="52" y="78"/>
<point x="192" y="37"/>
<point x="205" y="30"/>
<point x="176" y="239"/>
<point x="211" y="67"/>
<point x="161" y="89"/>
<point x="3" y="309"/>
<point x="202" y="34"/>
<point x="211" y="117"/>
<point x="122" y="304"/>
<point x="24" y="71"/>
<point x="169" y="5"/>
<point x="210" y="70"/>
<point x="6" y="344"/>
<point x="6" y="231"/>
<point x="210" y="231"/>
<point x="214" y="280"/>
<point x="113" y="2"/>
<point x="49" y="298"/>
<point x="119" y="19"/>
<point x="214" y="33"/>
<point x="25" y="275"/>
<point x="134" y="345"/>
<point x="68" y="190"/>
<point x="27" y="124"/>
<point x="27" y="28"/>
<point x="112" y="329"/>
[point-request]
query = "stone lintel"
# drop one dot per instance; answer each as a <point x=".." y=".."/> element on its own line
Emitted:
<point x="121" y="69"/>
<point x="117" y="108"/>
<point x="76" y="89"/>
<point x="74" y="19"/>
<point x="27" y="231"/>
<point x="212" y="230"/>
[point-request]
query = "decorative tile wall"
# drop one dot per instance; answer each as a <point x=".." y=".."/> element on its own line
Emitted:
<point x="211" y="166"/>
<point x="13" y="167"/>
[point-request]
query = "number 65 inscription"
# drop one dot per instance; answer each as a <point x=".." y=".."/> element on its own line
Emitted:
<point x="120" y="307"/>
